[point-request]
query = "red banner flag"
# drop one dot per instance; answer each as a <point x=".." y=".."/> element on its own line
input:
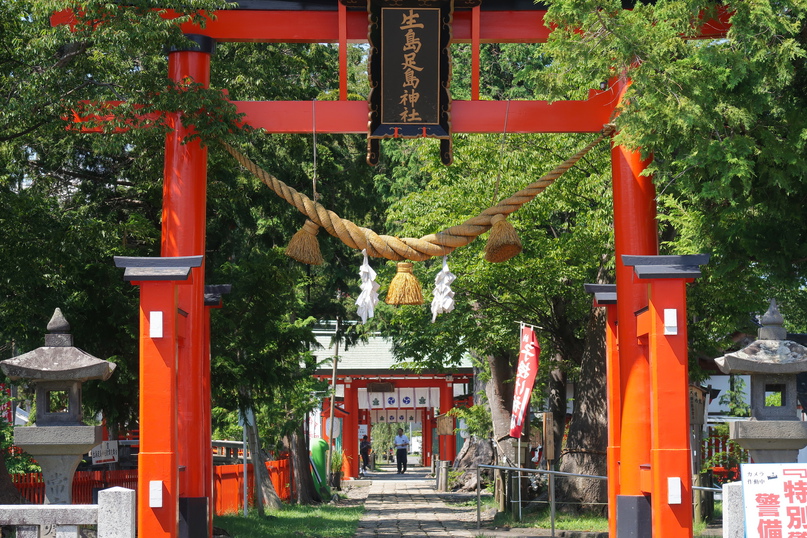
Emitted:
<point x="525" y="377"/>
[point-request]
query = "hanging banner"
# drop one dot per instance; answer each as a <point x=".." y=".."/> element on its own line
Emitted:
<point x="407" y="397"/>
<point x="775" y="499"/>
<point x="525" y="377"/>
<point x="375" y="400"/>
<point x="422" y="397"/>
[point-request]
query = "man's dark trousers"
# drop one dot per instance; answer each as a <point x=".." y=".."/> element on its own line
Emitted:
<point x="400" y="459"/>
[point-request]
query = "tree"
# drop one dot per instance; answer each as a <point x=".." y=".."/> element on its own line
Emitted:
<point x="723" y="119"/>
<point x="71" y="200"/>
<point x="566" y="236"/>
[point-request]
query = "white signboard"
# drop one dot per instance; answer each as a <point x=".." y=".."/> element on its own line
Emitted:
<point x="106" y="452"/>
<point x="775" y="499"/>
<point x="362" y="430"/>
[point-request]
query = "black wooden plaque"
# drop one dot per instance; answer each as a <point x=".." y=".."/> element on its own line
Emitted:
<point x="410" y="72"/>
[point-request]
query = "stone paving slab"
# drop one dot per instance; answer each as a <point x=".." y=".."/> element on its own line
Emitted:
<point x="409" y="505"/>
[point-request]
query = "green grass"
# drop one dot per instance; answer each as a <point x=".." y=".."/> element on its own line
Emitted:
<point x="566" y="522"/>
<point x="574" y="522"/>
<point x="323" y="521"/>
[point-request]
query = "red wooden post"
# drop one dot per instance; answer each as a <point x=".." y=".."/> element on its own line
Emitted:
<point x="605" y="295"/>
<point x="350" y="430"/>
<point x="671" y="455"/>
<point x="158" y="477"/>
<point x="183" y="234"/>
<point x="426" y="426"/>
<point x="448" y="443"/>
<point x="635" y="232"/>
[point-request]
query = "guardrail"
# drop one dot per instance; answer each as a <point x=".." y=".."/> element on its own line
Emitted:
<point x="552" y="475"/>
<point x="115" y="516"/>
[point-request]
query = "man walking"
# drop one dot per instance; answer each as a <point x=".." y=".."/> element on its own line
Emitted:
<point x="401" y="447"/>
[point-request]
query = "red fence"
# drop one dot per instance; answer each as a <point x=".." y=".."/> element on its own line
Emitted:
<point x="228" y="484"/>
<point x="32" y="487"/>
<point x="723" y="457"/>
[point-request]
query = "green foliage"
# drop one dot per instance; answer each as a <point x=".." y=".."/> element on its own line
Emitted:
<point x="734" y="398"/>
<point x="16" y="461"/>
<point x="723" y="119"/>
<point x="477" y="420"/>
<point x="337" y="460"/>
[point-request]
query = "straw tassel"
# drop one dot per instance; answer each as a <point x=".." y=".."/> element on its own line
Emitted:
<point x="404" y="288"/>
<point x="503" y="241"/>
<point x="304" y="246"/>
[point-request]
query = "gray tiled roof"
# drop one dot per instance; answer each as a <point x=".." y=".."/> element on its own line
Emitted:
<point x="373" y="356"/>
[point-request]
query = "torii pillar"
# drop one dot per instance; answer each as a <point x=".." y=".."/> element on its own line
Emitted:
<point x="448" y="443"/>
<point x="350" y="430"/>
<point x="635" y="232"/>
<point x="158" y="464"/>
<point x="183" y="234"/>
<point x="605" y="296"/>
<point x="664" y="325"/>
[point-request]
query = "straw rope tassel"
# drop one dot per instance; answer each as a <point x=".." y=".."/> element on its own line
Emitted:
<point x="404" y="288"/>
<point x="304" y="246"/>
<point x="503" y="241"/>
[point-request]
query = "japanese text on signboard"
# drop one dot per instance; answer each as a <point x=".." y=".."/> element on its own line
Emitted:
<point x="410" y="65"/>
<point x="775" y="498"/>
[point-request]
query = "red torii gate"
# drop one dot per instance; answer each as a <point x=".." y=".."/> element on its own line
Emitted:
<point x="184" y="235"/>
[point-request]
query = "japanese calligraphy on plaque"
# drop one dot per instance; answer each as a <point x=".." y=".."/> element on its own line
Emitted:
<point x="410" y="70"/>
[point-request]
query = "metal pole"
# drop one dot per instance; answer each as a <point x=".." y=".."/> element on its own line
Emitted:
<point x="478" y="500"/>
<point x="551" y="500"/>
<point x="519" y="478"/>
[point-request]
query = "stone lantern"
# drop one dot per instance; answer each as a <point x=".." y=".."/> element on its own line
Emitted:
<point x="59" y="438"/>
<point x="774" y="434"/>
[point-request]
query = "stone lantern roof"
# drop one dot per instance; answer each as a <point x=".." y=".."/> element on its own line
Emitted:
<point x="771" y="353"/>
<point x="57" y="360"/>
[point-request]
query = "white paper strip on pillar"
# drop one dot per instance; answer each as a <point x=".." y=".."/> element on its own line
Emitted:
<point x="422" y="397"/>
<point x="155" y="324"/>
<point x="407" y="396"/>
<point x="364" y="403"/>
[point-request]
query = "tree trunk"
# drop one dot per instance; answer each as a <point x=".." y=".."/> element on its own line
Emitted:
<point x="474" y="452"/>
<point x="557" y="404"/>
<point x="265" y="494"/>
<point x="587" y="440"/>
<point x="304" y="491"/>
<point x="499" y="392"/>
<point x="500" y="397"/>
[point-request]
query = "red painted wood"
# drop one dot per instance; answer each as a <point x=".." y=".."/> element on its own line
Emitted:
<point x="466" y="116"/>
